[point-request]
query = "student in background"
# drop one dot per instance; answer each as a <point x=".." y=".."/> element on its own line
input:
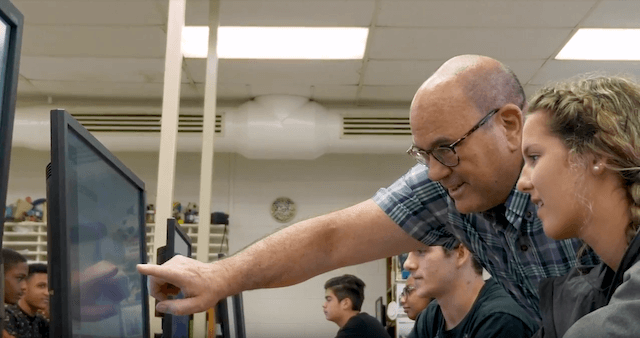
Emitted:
<point x="343" y="300"/>
<point x="15" y="274"/>
<point x="581" y="148"/>
<point x="465" y="305"/>
<point x="15" y="284"/>
<point x="411" y="302"/>
<point x="24" y="320"/>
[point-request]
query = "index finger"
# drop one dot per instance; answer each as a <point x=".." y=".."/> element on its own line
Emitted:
<point x="159" y="271"/>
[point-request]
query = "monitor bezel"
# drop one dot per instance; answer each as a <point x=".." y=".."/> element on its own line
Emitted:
<point x="58" y="236"/>
<point x="15" y="20"/>
<point x="173" y="228"/>
<point x="236" y="329"/>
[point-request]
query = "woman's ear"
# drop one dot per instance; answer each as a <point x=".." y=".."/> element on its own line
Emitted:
<point x="597" y="165"/>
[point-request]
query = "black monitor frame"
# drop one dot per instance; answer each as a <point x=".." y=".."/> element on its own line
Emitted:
<point x="58" y="236"/>
<point x="237" y="330"/>
<point x="173" y="229"/>
<point x="15" y="20"/>
<point x="380" y="311"/>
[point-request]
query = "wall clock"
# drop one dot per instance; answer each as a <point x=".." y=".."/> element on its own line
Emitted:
<point x="283" y="209"/>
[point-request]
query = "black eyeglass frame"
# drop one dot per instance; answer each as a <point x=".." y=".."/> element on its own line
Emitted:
<point x="407" y="290"/>
<point x="422" y="156"/>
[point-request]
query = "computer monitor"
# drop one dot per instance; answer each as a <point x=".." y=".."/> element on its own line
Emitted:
<point x="11" y="21"/>
<point x="96" y="236"/>
<point x="380" y="311"/>
<point x="230" y="316"/>
<point x="178" y="243"/>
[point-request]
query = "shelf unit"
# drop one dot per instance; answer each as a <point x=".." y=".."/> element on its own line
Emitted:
<point x="30" y="239"/>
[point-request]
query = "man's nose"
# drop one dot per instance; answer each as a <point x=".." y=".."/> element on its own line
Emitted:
<point x="437" y="170"/>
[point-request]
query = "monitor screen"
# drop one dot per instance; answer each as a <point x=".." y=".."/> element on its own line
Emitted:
<point x="96" y="237"/>
<point x="178" y="243"/>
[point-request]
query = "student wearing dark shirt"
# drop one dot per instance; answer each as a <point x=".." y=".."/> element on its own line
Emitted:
<point x="25" y="319"/>
<point x="343" y="300"/>
<point x="465" y="305"/>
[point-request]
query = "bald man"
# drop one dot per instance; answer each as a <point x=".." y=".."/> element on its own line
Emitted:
<point x="466" y="122"/>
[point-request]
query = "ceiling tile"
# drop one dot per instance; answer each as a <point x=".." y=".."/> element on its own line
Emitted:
<point x="99" y="89"/>
<point x="311" y="72"/>
<point x="524" y="69"/>
<point x="143" y="42"/>
<point x="259" y="89"/>
<point x="397" y="73"/>
<point x="527" y="14"/>
<point x="284" y="13"/>
<point x="431" y="43"/>
<point x="614" y="14"/>
<point x="93" y="69"/>
<point x="227" y="91"/>
<point x="388" y="93"/>
<point x="530" y="89"/>
<point x="82" y="12"/>
<point x="555" y="70"/>
<point x="25" y="87"/>
<point x="334" y="93"/>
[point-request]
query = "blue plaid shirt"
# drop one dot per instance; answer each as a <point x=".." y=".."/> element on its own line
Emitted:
<point x="508" y="240"/>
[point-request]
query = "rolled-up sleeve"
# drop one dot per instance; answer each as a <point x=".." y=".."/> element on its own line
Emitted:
<point x="419" y="206"/>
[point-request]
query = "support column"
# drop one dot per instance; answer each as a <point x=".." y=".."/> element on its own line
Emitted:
<point x="168" y="133"/>
<point x="208" y="140"/>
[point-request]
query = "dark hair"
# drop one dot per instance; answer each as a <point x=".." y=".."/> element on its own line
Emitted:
<point x="475" y="263"/>
<point x="347" y="286"/>
<point x="11" y="258"/>
<point x="36" y="268"/>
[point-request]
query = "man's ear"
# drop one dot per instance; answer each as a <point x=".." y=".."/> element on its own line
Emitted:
<point x="346" y="304"/>
<point x="462" y="255"/>
<point x="511" y="119"/>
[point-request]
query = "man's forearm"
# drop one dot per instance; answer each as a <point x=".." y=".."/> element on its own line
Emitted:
<point x="354" y="235"/>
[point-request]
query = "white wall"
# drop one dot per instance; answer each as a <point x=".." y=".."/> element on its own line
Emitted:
<point x="245" y="189"/>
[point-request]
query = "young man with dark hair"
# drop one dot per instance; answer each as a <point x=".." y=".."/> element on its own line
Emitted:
<point x="465" y="305"/>
<point x="343" y="300"/>
<point x="15" y="274"/>
<point x="24" y="319"/>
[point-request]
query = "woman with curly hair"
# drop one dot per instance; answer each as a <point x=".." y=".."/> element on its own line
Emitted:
<point x="581" y="145"/>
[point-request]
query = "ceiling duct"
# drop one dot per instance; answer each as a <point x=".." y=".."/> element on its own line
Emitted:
<point x="267" y="127"/>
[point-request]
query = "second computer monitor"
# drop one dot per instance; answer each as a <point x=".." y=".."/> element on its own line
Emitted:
<point x="178" y="243"/>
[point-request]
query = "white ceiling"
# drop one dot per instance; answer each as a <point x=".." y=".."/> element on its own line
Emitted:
<point x="114" y="49"/>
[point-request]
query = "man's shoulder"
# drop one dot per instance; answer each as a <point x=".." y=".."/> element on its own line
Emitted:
<point x="363" y="318"/>
<point x="362" y="325"/>
<point x="496" y="301"/>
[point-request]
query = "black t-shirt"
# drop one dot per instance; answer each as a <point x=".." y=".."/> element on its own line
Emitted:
<point x="494" y="314"/>
<point x="21" y="325"/>
<point x="362" y="325"/>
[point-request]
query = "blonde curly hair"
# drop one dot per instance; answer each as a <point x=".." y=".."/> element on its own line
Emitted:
<point x="599" y="115"/>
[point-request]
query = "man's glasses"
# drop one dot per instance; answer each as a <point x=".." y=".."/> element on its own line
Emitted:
<point x="446" y="154"/>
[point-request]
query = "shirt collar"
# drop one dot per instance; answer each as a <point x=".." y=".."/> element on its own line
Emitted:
<point x="516" y="208"/>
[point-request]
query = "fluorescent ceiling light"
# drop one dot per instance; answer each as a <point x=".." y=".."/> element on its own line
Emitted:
<point x="602" y="44"/>
<point x="320" y="43"/>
